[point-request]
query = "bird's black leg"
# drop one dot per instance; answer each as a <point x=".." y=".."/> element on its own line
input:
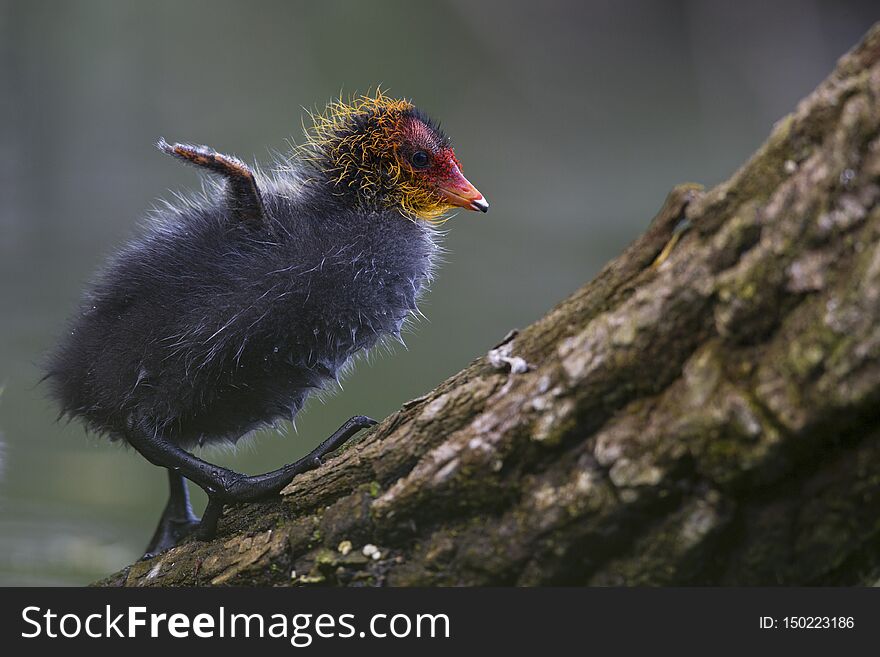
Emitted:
<point x="208" y="527"/>
<point x="225" y="486"/>
<point x="177" y="521"/>
<point x="242" y="193"/>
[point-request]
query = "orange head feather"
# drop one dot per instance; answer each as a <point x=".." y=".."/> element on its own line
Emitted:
<point x="387" y="154"/>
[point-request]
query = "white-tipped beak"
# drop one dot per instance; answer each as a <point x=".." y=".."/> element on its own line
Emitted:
<point x="458" y="191"/>
<point x="480" y="204"/>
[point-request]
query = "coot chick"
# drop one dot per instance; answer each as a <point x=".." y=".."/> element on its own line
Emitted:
<point x="239" y="302"/>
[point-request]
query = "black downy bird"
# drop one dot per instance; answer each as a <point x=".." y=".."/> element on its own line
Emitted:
<point x="238" y="303"/>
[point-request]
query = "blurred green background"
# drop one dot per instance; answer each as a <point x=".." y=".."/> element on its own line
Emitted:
<point x="574" y="119"/>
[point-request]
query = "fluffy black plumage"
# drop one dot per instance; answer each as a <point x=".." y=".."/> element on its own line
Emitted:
<point x="205" y="328"/>
<point x="234" y="306"/>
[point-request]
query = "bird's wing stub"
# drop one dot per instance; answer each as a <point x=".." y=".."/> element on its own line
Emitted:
<point x="242" y="193"/>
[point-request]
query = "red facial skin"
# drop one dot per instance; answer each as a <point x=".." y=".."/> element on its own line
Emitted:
<point x="444" y="170"/>
<point x="453" y="186"/>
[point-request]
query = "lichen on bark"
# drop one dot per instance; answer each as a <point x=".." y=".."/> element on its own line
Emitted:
<point x="708" y="417"/>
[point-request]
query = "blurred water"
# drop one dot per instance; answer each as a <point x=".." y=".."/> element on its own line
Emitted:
<point x="573" y="118"/>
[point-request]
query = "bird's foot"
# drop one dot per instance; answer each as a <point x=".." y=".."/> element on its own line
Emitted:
<point x="341" y="436"/>
<point x="169" y="534"/>
<point x="225" y="486"/>
<point x="263" y="486"/>
<point x="177" y="521"/>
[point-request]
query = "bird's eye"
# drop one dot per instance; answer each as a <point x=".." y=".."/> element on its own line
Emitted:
<point x="419" y="159"/>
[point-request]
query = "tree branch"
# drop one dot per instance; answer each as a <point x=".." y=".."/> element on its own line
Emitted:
<point x="708" y="416"/>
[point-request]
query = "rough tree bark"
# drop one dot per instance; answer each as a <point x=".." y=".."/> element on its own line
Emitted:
<point x="708" y="416"/>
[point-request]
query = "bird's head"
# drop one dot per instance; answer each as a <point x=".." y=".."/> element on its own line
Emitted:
<point x="384" y="152"/>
